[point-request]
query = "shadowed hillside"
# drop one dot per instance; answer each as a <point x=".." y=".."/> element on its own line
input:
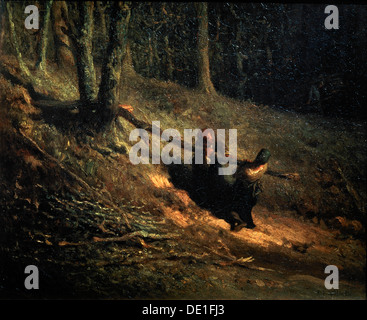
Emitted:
<point x="98" y="226"/>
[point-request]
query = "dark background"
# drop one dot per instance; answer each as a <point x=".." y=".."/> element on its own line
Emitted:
<point x="269" y="53"/>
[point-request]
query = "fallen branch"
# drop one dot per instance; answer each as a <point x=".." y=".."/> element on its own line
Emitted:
<point x="288" y="176"/>
<point x="241" y="261"/>
<point x="66" y="243"/>
<point x="352" y="192"/>
<point x="127" y="115"/>
<point x="140" y="233"/>
<point x="50" y="158"/>
<point x="231" y="259"/>
<point x="136" y="234"/>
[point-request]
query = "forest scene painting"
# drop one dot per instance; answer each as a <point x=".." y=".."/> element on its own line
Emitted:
<point x="182" y="150"/>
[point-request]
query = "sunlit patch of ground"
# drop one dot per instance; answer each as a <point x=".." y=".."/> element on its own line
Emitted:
<point x="160" y="181"/>
<point x="302" y="240"/>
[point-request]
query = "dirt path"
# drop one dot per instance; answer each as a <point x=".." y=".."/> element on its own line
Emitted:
<point x="284" y="257"/>
<point x="196" y="256"/>
<point x="288" y="259"/>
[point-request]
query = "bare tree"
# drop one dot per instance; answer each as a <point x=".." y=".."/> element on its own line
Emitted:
<point x="116" y="49"/>
<point x="205" y="83"/>
<point x="127" y="63"/>
<point x="85" y="64"/>
<point x="42" y="46"/>
<point x="63" y="49"/>
<point x="102" y="17"/>
<point x="14" y="40"/>
<point x="2" y="23"/>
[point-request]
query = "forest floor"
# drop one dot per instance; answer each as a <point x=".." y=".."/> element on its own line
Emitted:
<point x="98" y="226"/>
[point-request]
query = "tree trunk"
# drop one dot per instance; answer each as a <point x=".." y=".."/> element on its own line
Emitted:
<point x="42" y="46"/>
<point x="63" y="53"/>
<point x="102" y="18"/>
<point x="128" y="71"/>
<point x="169" y="62"/>
<point x="205" y="83"/>
<point x="85" y="65"/>
<point x="112" y="65"/>
<point x="14" y="40"/>
<point x="2" y="24"/>
<point x="127" y="64"/>
<point x="150" y="58"/>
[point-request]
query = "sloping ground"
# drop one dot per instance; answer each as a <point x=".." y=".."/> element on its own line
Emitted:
<point x="99" y="227"/>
